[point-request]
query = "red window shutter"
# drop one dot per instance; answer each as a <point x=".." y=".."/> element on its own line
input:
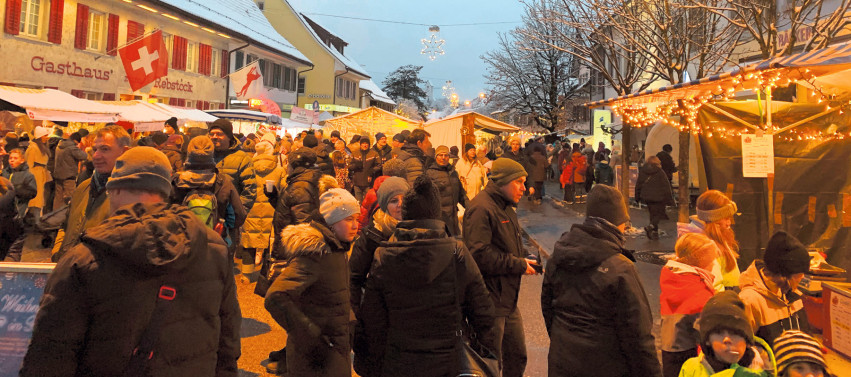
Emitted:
<point x="181" y="102"/>
<point x="172" y="101"/>
<point x="54" y="28"/>
<point x="77" y="93"/>
<point x="82" y="32"/>
<point x="225" y="63"/>
<point x="221" y="106"/>
<point x="134" y="30"/>
<point x="13" y="17"/>
<point x="205" y="59"/>
<point x="108" y="97"/>
<point x="179" y="53"/>
<point x="112" y="35"/>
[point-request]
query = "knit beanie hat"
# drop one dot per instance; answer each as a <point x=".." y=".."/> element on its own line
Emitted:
<point x="223" y="124"/>
<point x="505" y="170"/>
<point x="83" y="132"/>
<point x="468" y="146"/>
<point x="248" y="145"/>
<point x="172" y="122"/>
<point x="76" y="137"/>
<point x="422" y="201"/>
<point x="379" y="135"/>
<point x="364" y="140"/>
<point x="606" y="202"/>
<point x="399" y="138"/>
<point x="337" y="204"/>
<point x="785" y="255"/>
<point x="310" y="141"/>
<point x="142" y="168"/>
<point x="199" y="153"/>
<point x="394" y="167"/>
<point x="725" y="310"/>
<point x="795" y="346"/>
<point x="389" y="189"/>
<point x="159" y="137"/>
<point x="441" y="149"/>
<point x="11" y="141"/>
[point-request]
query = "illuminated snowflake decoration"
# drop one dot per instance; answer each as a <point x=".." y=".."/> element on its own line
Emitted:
<point x="448" y="89"/>
<point x="433" y="45"/>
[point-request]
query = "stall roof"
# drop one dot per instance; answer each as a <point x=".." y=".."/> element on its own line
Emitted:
<point x="447" y="131"/>
<point x="249" y="115"/>
<point x="187" y="114"/>
<point x="55" y="105"/>
<point x="371" y="120"/>
<point x="481" y="122"/>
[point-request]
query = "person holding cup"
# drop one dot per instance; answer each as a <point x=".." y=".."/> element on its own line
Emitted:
<point x="257" y="230"/>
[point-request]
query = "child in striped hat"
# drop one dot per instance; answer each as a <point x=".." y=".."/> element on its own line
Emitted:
<point x="799" y="354"/>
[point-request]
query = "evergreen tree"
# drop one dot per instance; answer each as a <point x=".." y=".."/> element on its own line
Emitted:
<point x="404" y="84"/>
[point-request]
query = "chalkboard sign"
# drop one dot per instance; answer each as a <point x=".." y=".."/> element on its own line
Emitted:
<point x="21" y="287"/>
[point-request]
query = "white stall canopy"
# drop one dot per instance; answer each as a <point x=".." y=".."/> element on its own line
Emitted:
<point x="54" y="105"/>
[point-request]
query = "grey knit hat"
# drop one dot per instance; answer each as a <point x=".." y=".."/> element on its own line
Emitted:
<point x="606" y="202"/>
<point x="394" y="167"/>
<point x="505" y="170"/>
<point x="142" y="168"/>
<point x="389" y="189"/>
<point x="336" y="204"/>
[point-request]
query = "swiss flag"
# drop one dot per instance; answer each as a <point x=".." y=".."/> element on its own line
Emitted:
<point x="145" y="60"/>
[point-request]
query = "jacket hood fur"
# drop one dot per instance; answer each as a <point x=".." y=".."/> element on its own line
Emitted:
<point x="309" y="239"/>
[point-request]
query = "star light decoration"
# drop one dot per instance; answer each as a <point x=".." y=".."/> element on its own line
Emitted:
<point x="640" y="115"/>
<point x="433" y="45"/>
<point x="448" y="89"/>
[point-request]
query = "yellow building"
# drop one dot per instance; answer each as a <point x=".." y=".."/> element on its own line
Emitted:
<point x="334" y="80"/>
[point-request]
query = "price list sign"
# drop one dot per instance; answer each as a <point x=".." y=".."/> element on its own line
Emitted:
<point x="757" y="155"/>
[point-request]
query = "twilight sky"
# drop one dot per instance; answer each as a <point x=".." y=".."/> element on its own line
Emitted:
<point x="382" y="47"/>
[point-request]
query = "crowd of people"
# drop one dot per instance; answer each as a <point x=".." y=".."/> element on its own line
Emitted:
<point x="389" y="257"/>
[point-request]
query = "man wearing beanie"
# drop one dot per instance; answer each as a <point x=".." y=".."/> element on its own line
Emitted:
<point x="89" y="206"/>
<point x="323" y="160"/>
<point x="421" y="275"/>
<point x="383" y="150"/>
<point x="148" y="261"/>
<point x="592" y="280"/>
<point x="492" y="234"/>
<point x="232" y="160"/>
<point x="770" y="288"/>
<point x="413" y="153"/>
<point x="310" y="299"/>
<point x="452" y="193"/>
<point x="362" y="168"/>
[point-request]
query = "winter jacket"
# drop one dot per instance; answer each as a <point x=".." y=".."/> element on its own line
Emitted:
<point x="174" y="157"/>
<point x="723" y="278"/>
<point x="492" y="234"/>
<point x="88" y="208"/>
<point x="257" y="231"/>
<point x="362" y="166"/>
<point x="652" y="186"/>
<point x="472" y="175"/>
<point x="52" y="142"/>
<point x="668" y="165"/>
<point x="237" y="164"/>
<point x="370" y="203"/>
<point x="451" y="194"/>
<point x="770" y="312"/>
<point x="538" y="165"/>
<point x="219" y="184"/>
<point x="415" y="160"/>
<point x="595" y="308"/>
<point x="37" y="160"/>
<point x="566" y="177"/>
<point x="604" y="173"/>
<point x="68" y="157"/>
<point x="409" y="318"/>
<point x="299" y="202"/>
<point x="323" y="160"/>
<point x="24" y="186"/>
<point x="310" y="300"/>
<point x="384" y="154"/>
<point x="580" y="167"/>
<point x="380" y="228"/>
<point x="101" y="296"/>
<point x="684" y="291"/>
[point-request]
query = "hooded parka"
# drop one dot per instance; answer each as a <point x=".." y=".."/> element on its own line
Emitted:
<point x="770" y="312"/>
<point x="101" y="296"/>
<point x="257" y="230"/>
<point x="237" y="164"/>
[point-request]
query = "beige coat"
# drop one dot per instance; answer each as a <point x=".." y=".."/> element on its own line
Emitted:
<point x="37" y="162"/>
<point x="472" y="175"/>
<point x="257" y="230"/>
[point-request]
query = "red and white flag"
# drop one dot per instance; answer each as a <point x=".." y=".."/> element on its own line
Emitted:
<point x="248" y="82"/>
<point x="145" y="60"/>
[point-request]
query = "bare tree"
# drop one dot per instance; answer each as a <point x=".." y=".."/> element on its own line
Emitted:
<point x="530" y="77"/>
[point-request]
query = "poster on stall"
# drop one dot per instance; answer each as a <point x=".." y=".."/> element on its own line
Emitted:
<point x="757" y="155"/>
<point x="302" y="115"/>
<point x="21" y="287"/>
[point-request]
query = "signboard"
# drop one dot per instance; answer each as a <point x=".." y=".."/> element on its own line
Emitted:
<point x="316" y="108"/>
<point x="21" y="287"/>
<point x="302" y="115"/>
<point x="757" y="155"/>
<point x="837" y="325"/>
<point x="601" y="118"/>
<point x="330" y="107"/>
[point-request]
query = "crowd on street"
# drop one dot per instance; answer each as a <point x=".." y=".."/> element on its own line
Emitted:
<point x="385" y="255"/>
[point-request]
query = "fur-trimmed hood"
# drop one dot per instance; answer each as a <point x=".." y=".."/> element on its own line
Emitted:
<point x="310" y="239"/>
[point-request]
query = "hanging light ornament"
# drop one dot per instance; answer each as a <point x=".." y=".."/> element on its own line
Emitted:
<point x="448" y="89"/>
<point x="433" y="45"/>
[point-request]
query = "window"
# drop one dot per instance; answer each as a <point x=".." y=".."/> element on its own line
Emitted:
<point x="249" y="59"/>
<point x="168" y="39"/>
<point x="301" y="85"/>
<point x="277" y="71"/>
<point x="192" y="57"/>
<point x="33" y="13"/>
<point x="215" y="66"/>
<point x="97" y="28"/>
<point x="287" y="78"/>
<point x="238" y="57"/>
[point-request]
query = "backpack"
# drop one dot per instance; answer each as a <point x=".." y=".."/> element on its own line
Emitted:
<point x="202" y="202"/>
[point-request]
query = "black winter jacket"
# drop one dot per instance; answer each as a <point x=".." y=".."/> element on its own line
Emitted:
<point x="102" y="293"/>
<point x="323" y="160"/>
<point x="492" y="234"/>
<point x="68" y="155"/>
<point x="363" y="250"/>
<point x="595" y="308"/>
<point x="415" y="161"/>
<point x="299" y="203"/>
<point x="409" y="316"/>
<point x="653" y="186"/>
<point x="384" y="154"/>
<point x="452" y="193"/>
<point x="668" y="165"/>
<point x="25" y="186"/>
<point x="362" y="167"/>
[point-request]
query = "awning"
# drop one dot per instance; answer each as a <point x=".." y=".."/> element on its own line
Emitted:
<point x="248" y="115"/>
<point x="54" y="105"/>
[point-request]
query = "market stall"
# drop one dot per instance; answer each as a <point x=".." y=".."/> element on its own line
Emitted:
<point x="248" y="121"/>
<point x="370" y="121"/>
<point x="465" y="128"/>
<point x="54" y="105"/>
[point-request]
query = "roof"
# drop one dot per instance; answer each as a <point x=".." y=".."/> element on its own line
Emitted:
<point x="54" y="105"/>
<point x="348" y="62"/>
<point x="376" y="92"/>
<point x="481" y="122"/>
<point x="242" y="18"/>
<point x="248" y="115"/>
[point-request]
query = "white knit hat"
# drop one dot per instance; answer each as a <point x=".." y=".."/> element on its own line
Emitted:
<point x="337" y="204"/>
<point x="40" y="131"/>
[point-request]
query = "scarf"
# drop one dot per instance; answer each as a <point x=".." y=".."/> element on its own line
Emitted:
<point x="384" y="223"/>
